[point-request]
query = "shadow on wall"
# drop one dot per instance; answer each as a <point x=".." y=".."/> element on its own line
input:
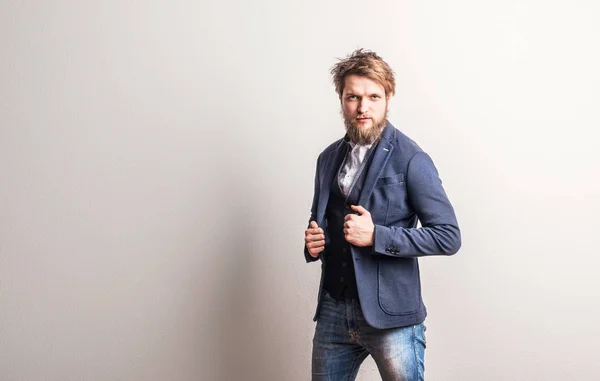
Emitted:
<point x="243" y="343"/>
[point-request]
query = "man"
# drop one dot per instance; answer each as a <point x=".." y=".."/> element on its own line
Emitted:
<point x="371" y="187"/>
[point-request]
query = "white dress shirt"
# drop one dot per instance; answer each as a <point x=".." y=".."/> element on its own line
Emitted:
<point x="350" y="169"/>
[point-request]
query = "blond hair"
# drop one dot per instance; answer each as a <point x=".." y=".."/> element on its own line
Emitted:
<point x="367" y="64"/>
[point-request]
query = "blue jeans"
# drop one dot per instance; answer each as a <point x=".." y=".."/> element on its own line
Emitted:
<point x="343" y="339"/>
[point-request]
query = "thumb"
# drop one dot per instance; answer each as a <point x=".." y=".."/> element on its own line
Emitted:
<point x="359" y="209"/>
<point x="313" y="225"/>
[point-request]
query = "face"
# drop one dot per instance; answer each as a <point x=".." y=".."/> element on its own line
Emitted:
<point x="364" y="106"/>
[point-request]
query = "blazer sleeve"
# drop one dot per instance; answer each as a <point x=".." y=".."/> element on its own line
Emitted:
<point x="439" y="233"/>
<point x="313" y="211"/>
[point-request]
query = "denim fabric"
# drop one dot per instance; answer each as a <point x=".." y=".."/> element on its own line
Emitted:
<point x="343" y="339"/>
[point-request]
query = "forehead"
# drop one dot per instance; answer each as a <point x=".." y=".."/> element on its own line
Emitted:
<point x="358" y="84"/>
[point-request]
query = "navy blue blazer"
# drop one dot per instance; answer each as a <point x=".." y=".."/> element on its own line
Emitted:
<point x="401" y="186"/>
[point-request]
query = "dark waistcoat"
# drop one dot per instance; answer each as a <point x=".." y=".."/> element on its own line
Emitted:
<point x="340" y="280"/>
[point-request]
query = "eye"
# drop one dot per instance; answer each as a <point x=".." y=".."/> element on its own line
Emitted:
<point x="375" y="96"/>
<point x="352" y="97"/>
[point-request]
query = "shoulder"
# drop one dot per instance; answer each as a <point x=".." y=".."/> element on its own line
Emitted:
<point x="404" y="147"/>
<point x="415" y="159"/>
<point x="332" y="147"/>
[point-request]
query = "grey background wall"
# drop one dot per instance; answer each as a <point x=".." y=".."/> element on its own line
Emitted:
<point x="156" y="167"/>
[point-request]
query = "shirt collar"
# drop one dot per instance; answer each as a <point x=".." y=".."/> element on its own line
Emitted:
<point x="352" y="145"/>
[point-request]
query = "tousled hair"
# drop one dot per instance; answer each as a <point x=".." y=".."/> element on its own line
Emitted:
<point x="367" y="64"/>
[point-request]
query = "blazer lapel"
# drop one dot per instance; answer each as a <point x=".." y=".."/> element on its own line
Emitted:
<point x="380" y="157"/>
<point x="328" y="174"/>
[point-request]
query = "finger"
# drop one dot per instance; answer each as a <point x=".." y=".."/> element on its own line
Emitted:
<point x="313" y="224"/>
<point x="359" y="209"/>
<point x="348" y="224"/>
<point x="349" y="217"/>
<point x="315" y="237"/>
<point x="314" y="252"/>
<point x="315" y="244"/>
<point x="313" y="231"/>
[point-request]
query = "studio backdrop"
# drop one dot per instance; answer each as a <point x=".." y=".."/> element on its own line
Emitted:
<point x="156" y="175"/>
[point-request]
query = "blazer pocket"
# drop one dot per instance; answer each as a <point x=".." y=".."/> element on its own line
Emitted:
<point x="398" y="286"/>
<point x="391" y="180"/>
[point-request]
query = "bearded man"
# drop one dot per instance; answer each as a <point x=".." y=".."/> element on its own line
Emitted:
<point x="371" y="188"/>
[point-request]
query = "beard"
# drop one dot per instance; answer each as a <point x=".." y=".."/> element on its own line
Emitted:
<point x="362" y="135"/>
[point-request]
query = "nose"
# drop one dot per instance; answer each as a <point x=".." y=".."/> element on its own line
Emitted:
<point x="362" y="106"/>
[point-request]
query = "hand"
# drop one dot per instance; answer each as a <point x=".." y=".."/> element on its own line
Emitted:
<point x="358" y="229"/>
<point x="314" y="237"/>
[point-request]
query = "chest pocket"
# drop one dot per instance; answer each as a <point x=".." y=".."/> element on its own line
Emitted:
<point x="391" y="180"/>
<point x="391" y="198"/>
